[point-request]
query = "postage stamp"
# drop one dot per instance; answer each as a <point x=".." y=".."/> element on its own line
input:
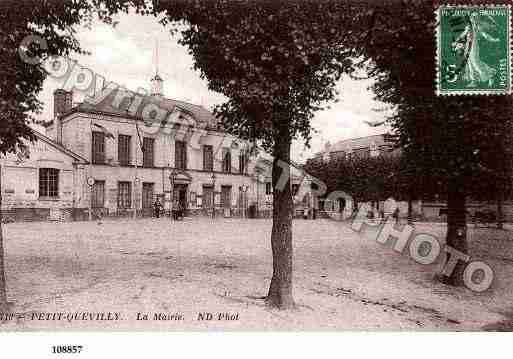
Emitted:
<point x="473" y="50"/>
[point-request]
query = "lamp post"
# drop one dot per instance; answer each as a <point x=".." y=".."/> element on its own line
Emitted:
<point x="245" y="188"/>
<point x="90" y="183"/>
<point x="172" y="178"/>
<point x="136" y="184"/>
<point x="213" y="195"/>
<point x="257" y="192"/>
<point x="241" y="204"/>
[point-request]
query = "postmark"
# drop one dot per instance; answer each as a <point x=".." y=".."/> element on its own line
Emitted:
<point x="473" y="50"/>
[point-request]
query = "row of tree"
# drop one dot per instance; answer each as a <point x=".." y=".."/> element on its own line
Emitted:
<point x="369" y="179"/>
<point x="454" y="138"/>
<point x="391" y="174"/>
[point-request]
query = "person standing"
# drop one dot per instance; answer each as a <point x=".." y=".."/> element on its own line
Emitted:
<point x="395" y="215"/>
<point x="175" y="209"/>
<point x="157" y="208"/>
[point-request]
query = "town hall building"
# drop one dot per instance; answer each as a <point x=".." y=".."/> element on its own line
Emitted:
<point x="108" y="157"/>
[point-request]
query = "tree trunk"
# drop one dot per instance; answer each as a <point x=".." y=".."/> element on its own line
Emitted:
<point x="280" y="290"/>
<point x="456" y="228"/>
<point x="3" y="291"/>
<point x="410" y="206"/>
<point x="500" y="214"/>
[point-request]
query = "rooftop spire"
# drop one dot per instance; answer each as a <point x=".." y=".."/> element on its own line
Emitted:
<point x="157" y="84"/>
<point x="156" y="57"/>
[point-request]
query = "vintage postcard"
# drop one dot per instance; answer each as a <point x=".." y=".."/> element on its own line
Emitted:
<point x="255" y="166"/>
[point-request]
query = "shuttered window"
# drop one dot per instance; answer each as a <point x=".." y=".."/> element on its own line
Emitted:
<point x="180" y="155"/>
<point x="208" y="157"/>
<point x="148" y="155"/>
<point x="124" y="150"/>
<point x="227" y="160"/>
<point x="147" y="195"/>
<point x="98" y="147"/>
<point x="98" y="194"/>
<point x="124" y="194"/>
<point x="242" y="163"/>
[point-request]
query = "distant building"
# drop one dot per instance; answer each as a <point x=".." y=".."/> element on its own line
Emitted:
<point x="361" y="147"/>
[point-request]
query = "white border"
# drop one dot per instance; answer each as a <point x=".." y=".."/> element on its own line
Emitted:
<point x="313" y="345"/>
<point x="438" y="35"/>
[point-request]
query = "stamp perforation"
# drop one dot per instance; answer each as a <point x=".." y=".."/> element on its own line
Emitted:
<point x="438" y="36"/>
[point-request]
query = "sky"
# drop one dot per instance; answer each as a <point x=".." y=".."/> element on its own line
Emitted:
<point x="125" y="54"/>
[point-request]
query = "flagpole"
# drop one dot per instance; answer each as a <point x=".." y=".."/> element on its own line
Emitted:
<point x="135" y="178"/>
<point x="90" y="206"/>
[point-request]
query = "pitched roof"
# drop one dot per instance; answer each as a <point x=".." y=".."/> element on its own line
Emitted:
<point x="58" y="146"/>
<point x="106" y="106"/>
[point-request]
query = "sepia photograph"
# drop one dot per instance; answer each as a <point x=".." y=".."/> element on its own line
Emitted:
<point x="255" y="165"/>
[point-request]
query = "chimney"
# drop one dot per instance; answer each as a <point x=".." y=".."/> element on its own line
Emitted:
<point x="62" y="104"/>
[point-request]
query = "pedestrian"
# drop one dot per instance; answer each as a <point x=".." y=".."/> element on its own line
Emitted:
<point x="180" y="211"/>
<point x="396" y="215"/>
<point x="157" y="208"/>
<point x="175" y="209"/>
<point x="305" y="213"/>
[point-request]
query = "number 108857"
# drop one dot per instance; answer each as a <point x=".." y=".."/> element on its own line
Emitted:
<point x="66" y="349"/>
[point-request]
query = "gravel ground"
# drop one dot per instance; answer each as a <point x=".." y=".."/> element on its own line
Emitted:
<point x="343" y="280"/>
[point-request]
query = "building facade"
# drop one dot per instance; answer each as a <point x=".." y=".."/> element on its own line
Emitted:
<point x="134" y="159"/>
<point x="117" y="152"/>
<point x="110" y="157"/>
<point x="40" y="183"/>
<point x="361" y="147"/>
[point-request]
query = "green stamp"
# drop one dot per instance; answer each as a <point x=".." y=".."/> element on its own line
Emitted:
<point x="473" y="50"/>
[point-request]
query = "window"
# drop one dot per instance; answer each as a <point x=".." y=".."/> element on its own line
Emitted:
<point x="180" y="155"/>
<point x="98" y="194"/>
<point x="124" y="150"/>
<point x="208" y="157"/>
<point x="148" y="144"/>
<point x="362" y="152"/>
<point x="337" y="155"/>
<point x="98" y="146"/>
<point x="227" y="160"/>
<point x="147" y="195"/>
<point x="226" y="196"/>
<point x="124" y="194"/>
<point x="48" y="182"/>
<point x="208" y="196"/>
<point x="242" y="162"/>
<point x="268" y="188"/>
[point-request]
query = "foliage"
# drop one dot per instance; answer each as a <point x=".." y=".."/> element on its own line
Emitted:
<point x="56" y="22"/>
<point x="445" y="137"/>
<point x="365" y="179"/>
<point x="276" y="61"/>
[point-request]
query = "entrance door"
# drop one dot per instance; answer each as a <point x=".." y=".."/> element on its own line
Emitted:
<point x="180" y="193"/>
<point x="147" y="198"/>
<point x="226" y="196"/>
<point x="226" y="200"/>
<point x="208" y="197"/>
